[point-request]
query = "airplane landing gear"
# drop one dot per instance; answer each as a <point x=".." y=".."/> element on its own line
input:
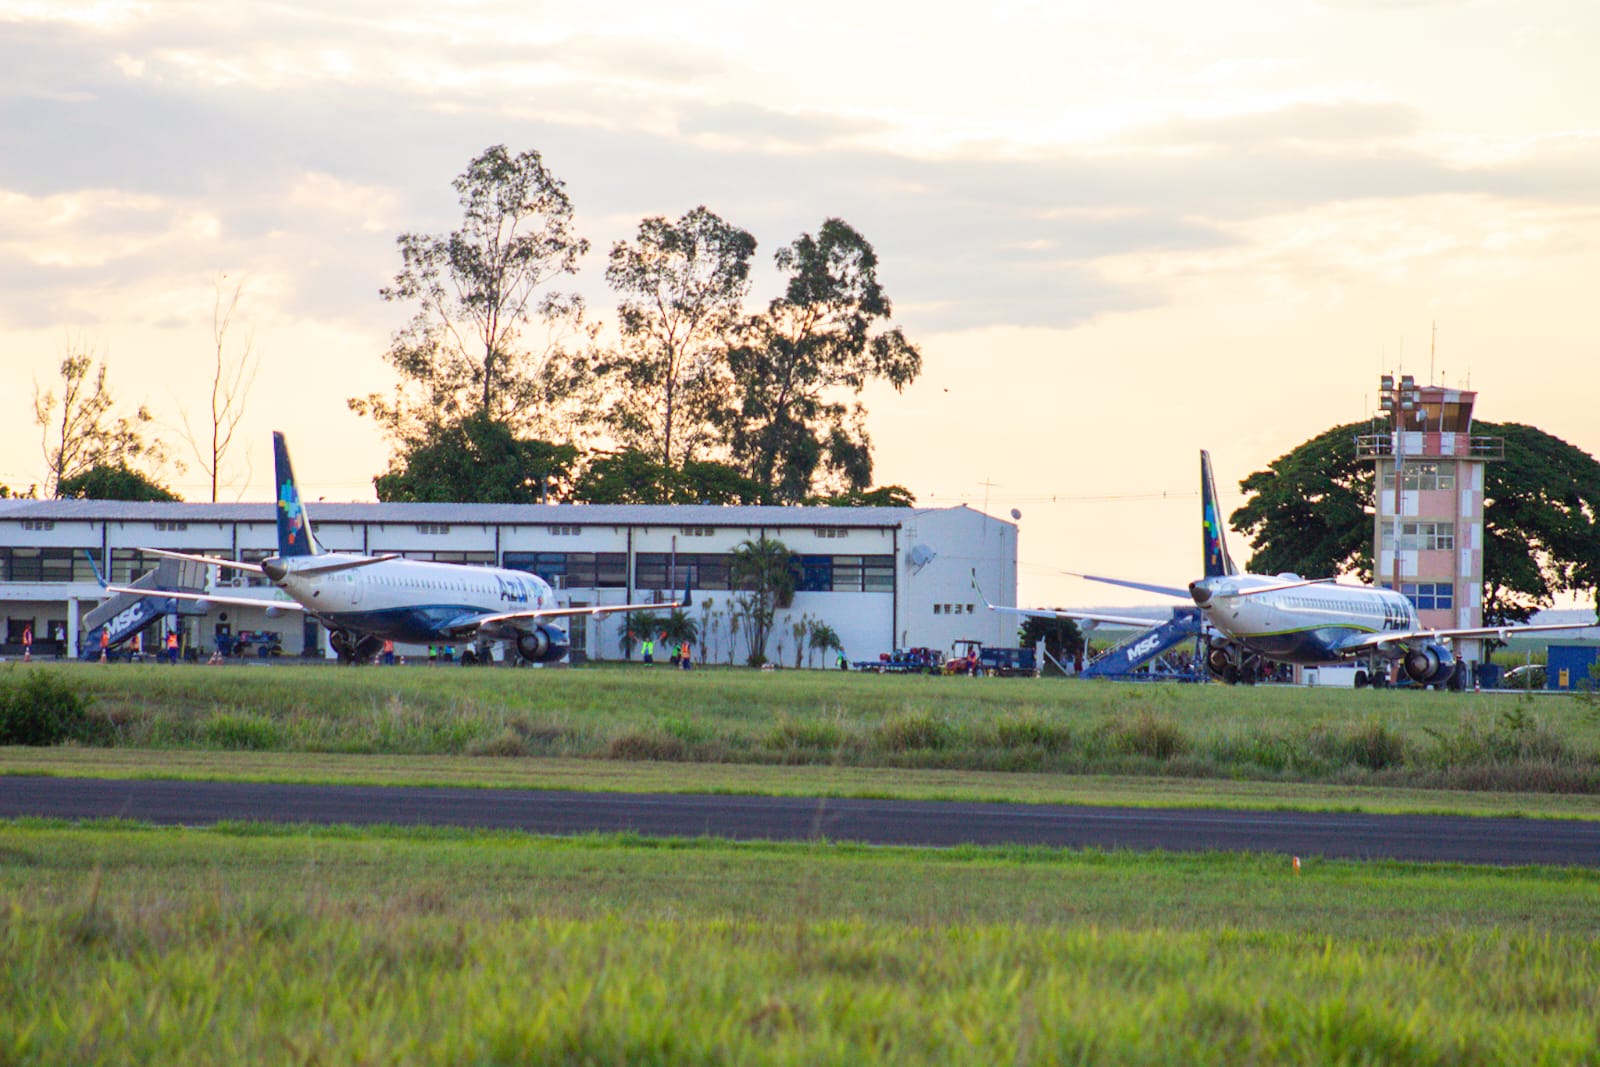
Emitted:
<point x="354" y="648"/>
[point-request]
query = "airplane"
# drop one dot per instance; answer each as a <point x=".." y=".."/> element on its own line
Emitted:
<point x="1284" y="618"/>
<point x="365" y="600"/>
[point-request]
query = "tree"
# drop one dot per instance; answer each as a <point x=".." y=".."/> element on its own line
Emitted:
<point x="231" y="378"/>
<point x="825" y="638"/>
<point x="1541" y="517"/>
<point x="1311" y="513"/>
<point x="682" y="286"/>
<point x="678" y="627"/>
<point x="113" y="482"/>
<point x="798" y="428"/>
<point x="638" y="626"/>
<point x="478" y="289"/>
<point x="1062" y="638"/>
<point x="883" y="496"/>
<point x="78" y="429"/>
<point x="635" y="477"/>
<point x="477" y="460"/>
<point x="763" y="573"/>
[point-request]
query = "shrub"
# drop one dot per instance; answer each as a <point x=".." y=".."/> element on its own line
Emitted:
<point x="788" y="735"/>
<point x="646" y="745"/>
<point x="1373" y="746"/>
<point x="913" y="731"/>
<point x="252" y="732"/>
<point x="1030" y="730"/>
<point x="1147" y="734"/>
<point x="42" y="709"/>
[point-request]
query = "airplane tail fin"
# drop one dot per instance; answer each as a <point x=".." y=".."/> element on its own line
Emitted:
<point x="294" y="525"/>
<point x="1218" y="562"/>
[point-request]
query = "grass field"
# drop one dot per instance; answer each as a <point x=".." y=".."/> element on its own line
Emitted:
<point x="1413" y="739"/>
<point x="126" y="944"/>
<point x="243" y="944"/>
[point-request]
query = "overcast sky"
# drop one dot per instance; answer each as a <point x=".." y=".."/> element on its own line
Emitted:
<point x="1120" y="232"/>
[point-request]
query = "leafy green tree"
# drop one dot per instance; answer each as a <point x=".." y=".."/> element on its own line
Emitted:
<point x="1311" y="513"/>
<point x="477" y="460"/>
<point x="682" y="286"/>
<point x="801" y="367"/>
<point x="1541" y="518"/>
<point x="114" y="482"/>
<point x="883" y="496"/>
<point x="477" y="291"/>
<point x="763" y="573"/>
<point x="1062" y="637"/>
<point x="635" y="477"/>
<point x="80" y="431"/>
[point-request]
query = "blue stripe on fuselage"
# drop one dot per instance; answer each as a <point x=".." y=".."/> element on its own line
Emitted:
<point x="413" y="624"/>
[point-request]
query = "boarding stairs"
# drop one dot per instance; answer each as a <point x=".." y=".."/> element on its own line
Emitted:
<point x="126" y="614"/>
<point x="1124" y="660"/>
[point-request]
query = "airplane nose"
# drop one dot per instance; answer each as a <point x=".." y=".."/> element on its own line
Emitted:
<point x="274" y="569"/>
<point x="1201" y="592"/>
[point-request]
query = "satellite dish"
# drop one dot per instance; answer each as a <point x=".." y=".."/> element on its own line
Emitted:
<point x="920" y="556"/>
<point x="1016" y="514"/>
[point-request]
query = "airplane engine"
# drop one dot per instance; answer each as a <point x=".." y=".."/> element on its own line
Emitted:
<point x="545" y="644"/>
<point x="1218" y="661"/>
<point x="1430" y="665"/>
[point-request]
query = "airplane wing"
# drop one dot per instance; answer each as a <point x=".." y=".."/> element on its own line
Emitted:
<point x="210" y="561"/>
<point x="240" y="601"/>
<point x="469" y="623"/>
<point x="1365" y="642"/>
<point x="1056" y="613"/>
<point x="1164" y="590"/>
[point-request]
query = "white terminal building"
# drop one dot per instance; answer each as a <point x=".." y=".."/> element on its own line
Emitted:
<point x="883" y="578"/>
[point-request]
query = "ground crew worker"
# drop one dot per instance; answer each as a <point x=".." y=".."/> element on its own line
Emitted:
<point x="388" y="653"/>
<point x="105" y="643"/>
<point x="683" y="656"/>
<point x="844" y="664"/>
<point x="27" y="642"/>
<point x="649" y="649"/>
<point x="172" y="646"/>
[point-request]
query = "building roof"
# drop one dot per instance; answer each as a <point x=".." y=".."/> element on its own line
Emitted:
<point x="491" y="514"/>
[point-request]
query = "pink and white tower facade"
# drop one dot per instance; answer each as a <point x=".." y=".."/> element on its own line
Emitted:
<point x="1428" y="525"/>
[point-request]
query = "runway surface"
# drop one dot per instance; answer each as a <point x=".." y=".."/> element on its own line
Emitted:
<point x="1425" y="838"/>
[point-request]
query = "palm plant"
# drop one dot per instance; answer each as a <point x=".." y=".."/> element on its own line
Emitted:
<point x="824" y="638"/>
<point x="763" y="572"/>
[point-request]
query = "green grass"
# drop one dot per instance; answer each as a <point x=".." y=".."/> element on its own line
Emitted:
<point x="1410" y="739"/>
<point x="781" y="780"/>
<point x="254" y="944"/>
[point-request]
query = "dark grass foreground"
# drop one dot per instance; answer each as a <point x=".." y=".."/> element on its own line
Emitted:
<point x="253" y="945"/>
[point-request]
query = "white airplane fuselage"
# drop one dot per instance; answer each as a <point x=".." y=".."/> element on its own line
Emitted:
<point x="1301" y="623"/>
<point x="405" y="600"/>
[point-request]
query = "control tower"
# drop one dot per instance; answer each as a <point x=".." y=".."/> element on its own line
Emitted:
<point x="1428" y="527"/>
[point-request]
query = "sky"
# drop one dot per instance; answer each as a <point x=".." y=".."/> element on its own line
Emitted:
<point x="1118" y="232"/>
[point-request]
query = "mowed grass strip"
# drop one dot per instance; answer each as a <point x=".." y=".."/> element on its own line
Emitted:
<point x="251" y="944"/>
<point x="818" y="718"/>
<point x="594" y="775"/>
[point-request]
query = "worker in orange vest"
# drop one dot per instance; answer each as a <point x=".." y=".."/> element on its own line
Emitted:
<point x="105" y="643"/>
<point x="27" y="642"/>
<point x="172" y="647"/>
